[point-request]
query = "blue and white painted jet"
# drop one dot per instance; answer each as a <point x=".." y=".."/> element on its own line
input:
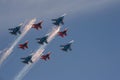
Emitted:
<point x="67" y="46"/>
<point x="59" y="20"/>
<point x="43" y="40"/>
<point x="15" y="30"/>
<point x="27" y="59"/>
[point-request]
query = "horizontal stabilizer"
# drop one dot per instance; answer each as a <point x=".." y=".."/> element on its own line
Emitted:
<point x="54" y="19"/>
<point x="25" y="62"/>
<point x="38" y="38"/>
<point x="64" y="49"/>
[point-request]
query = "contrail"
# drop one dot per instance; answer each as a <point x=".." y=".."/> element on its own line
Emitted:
<point x="10" y="49"/>
<point x="37" y="55"/>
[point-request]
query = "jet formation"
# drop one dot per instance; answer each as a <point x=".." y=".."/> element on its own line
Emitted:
<point x="43" y="40"/>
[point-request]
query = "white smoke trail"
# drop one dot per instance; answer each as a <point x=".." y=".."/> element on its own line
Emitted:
<point x="37" y="55"/>
<point x="2" y="51"/>
<point x="10" y="49"/>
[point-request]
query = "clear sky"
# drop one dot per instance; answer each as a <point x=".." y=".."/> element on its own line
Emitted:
<point x="94" y="25"/>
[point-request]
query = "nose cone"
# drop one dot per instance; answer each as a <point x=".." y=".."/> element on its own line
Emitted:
<point x="49" y="53"/>
<point x="47" y="35"/>
<point x="71" y="41"/>
<point x="20" y="24"/>
<point x="27" y="41"/>
<point x="64" y="14"/>
<point x="66" y="29"/>
<point x="41" y="21"/>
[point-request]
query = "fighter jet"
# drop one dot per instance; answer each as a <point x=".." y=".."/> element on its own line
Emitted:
<point x="46" y="56"/>
<point x="67" y="46"/>
<point x="38" y="25"/>
<point x="24" y="45"/>
<point x="59" y="20"/>
<point x="42" y="40"/>
<point x="63" y="33"/>
<point x="27" y="59"/>
<point x="15" y="30"/>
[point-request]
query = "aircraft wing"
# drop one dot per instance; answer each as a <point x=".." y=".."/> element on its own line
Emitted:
<point x="56" y="23"/>
<point x="19" y="32"/>
<point x="62" y="23"/>
<point x="62" y="45"/>
<point x="40" y="42"/>
<point x="61" y="34"/>
<point x="70" y="48"/>
<point x="36" y="27"/>
<point x="11" y="29"/>
<point x="64" y="49"/>
<point x="26" y="46"/>
<point x="22" y="58"/>
<point x="25" y="62"/>
<point x="54" y="19"/>
<point x="38" y="38"/>
<point x="13" y="33"/>
<point x="48" y="57"/>
<point x="46" y="41"/>
<point x="31" y="61"/>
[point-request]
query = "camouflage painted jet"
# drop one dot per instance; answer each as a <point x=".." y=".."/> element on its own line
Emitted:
<point x="43" y="40"/>
<point x="59" y="20"/>
<point x="24" y="45"/>
<point x="15" y="30"/>
<point x="46" y="56"/>
<point x="38" y="25"/>
<point x="67" y="46"/>
<point x="27" y="59"/>
<point x="63" y="33"/>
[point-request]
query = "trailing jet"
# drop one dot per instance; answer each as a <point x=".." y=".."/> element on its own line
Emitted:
<point x="38" y="25"/>
<point x="43" y="40"/>
<point x="24" y="45"/>
<point x="46" y="56"/>
<point x="59" y="20"/>
<point x="15" y="30"/>
<point x="63" y="33"/>
<point x="27" y="59"/>
<point x="67" y="46"/>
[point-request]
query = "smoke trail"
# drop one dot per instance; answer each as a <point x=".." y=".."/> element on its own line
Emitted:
<point x="10" y="49"/>
<point x="2" y="51"/>
<point x="37" y="55"/>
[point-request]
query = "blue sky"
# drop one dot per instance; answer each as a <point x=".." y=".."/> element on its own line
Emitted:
<point x="93" y="24"/>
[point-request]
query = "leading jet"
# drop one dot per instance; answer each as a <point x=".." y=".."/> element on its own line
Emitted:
<point x="24" y="45"/>
<point x="58" y="20"/>
<point x="27" y="59"/>
<point x="46" y="56"/>
<point x="63" y="33"/>
<point x="15" y="30"/>
<point x="42" y="40"/>
<point x="38" y="25"/>
<point x="67" y="46"/>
